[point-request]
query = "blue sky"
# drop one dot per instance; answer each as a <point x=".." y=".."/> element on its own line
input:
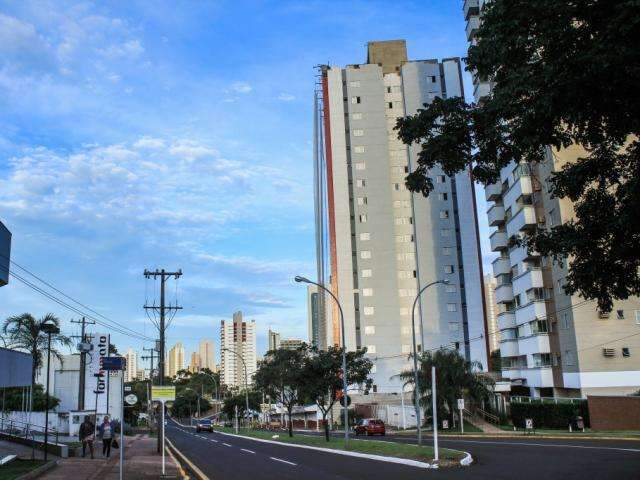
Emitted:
<point x="149" y="134"/>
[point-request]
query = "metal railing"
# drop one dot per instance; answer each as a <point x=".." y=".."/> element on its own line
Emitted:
<point x="555" y="400"/>
<point x="19" y="428"/>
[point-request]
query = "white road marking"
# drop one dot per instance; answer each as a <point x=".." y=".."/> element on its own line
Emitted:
<point x="212" y="440"/>
<point x="546" y="445"/>
<point x="283" y="461"/>
<point x="248" y="451"/>
<point x="226" y="444"/>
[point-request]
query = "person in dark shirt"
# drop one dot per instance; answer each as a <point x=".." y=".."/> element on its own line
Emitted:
<point x="87" y="436"/>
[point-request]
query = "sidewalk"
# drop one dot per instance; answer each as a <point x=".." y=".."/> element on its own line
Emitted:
<point x="141" y="461"/>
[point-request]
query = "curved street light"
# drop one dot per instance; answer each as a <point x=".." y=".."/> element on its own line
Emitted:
<point x="246" y="384"/>
<point x="49" y="328"/>
<point x="300" y="279"/>
<point x="415" y="355"/>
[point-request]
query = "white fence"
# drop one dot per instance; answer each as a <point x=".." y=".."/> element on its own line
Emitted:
<point x="395" y="416"/>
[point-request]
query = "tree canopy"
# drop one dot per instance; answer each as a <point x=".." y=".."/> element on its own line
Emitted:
<point x="563" y="73"/>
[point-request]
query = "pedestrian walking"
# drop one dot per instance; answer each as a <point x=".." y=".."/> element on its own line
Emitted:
<point x="87" y="436"/>
<point x="106" y="432"/>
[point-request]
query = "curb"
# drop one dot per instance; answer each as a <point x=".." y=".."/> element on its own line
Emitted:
<point x="467" y="460"/>
<point x="38" y="471"/>
<point x="402" y="461"/>
<point x="190" y="465"/>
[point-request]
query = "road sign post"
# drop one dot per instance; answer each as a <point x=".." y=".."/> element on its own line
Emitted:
<point x="163" y="394"/>
<point x="117" y="364"/>
<point x="461" y="408"/>
<point x="435" y="413"/>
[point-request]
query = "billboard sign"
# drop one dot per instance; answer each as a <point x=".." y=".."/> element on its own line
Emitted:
<point x="5" y="255"/>
<point x="16" y="368"/>
<point x="95" y="393"/>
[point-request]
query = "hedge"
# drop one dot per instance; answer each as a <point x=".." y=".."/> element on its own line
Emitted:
<point x="549" y="415"/>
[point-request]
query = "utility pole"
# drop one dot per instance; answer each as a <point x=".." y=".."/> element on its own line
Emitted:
<point x="150" y="357"/>
<point x="162" y="309"/>
<point x="83" y="361"/>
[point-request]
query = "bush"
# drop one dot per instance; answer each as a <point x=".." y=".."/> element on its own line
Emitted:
<point x="549" y="415"/>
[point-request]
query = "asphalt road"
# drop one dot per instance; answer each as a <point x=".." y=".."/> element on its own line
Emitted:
<point x="226" y="457"/>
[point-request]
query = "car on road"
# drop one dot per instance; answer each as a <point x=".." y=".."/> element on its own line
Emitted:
<point x="204" y="424"/>
<point x="370" y="426"/>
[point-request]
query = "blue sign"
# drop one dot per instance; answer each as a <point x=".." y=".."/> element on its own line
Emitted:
<point x="113" y="363"/>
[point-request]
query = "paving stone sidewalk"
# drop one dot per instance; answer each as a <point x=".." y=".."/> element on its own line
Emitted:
<point x="141" y="461"/>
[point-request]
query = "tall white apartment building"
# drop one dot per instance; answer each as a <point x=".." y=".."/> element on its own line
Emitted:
<point x="131" y="372"/>
<point x="552" y="344"/>
<point x="237" y="350"/>
<point x="274" y="340"/>
<point x="493" y="332"/>
<point x="386" y="243"/>
<point x="175" y="359"/>
<point x="207" y="354"/>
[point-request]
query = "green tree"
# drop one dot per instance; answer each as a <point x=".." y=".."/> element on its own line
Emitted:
<point x="495" y="361"/>
<point x="186" y="403"/>
<point x="565" y="73"/>
<point x="25" y="332"/>
<point x="279" y="375"/>
<point x="456" y="378"/>
<point x="239" y="400"/>
<point x="322" y="377"/>
<point x="13" y="399"/>
<point x="140" y="389"/>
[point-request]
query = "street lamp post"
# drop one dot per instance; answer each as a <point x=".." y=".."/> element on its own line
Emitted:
<point x="300" y="279"/>
<point x="215" y="382"/>
<point x="416" y="390"/>
<point x="246" y="384"/>
<point x="49" y="329"/>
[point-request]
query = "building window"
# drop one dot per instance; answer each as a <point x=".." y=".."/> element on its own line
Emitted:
<point x="389" y="104"/>
<point x="446" y="250"/>
<point x="356" y="116"/>
<point x="401" y="204"/>
<point x="369" y="330"/>
<point x="367" y="292"/>
<point x="365" y="236"/>
<point x="361" y="183"/>
<point x="362" y="200"/>
<point x="452" y="307"/>
<point x="365" y="254"/>
<point x="371" y="349"/>
<point x="440" y="178"/>
<point x="451" y="288"/>
<point x="355" y="83"/>
<point x="568" y="357"/>
<point x="626" y="352"/>
<point x="396" y="187"/>
<point x="444" y="213"/>
<point x="358" y="133"/>
<point x="448" y="269"/>
<point x="358" y="149"/>
<point x="454" y="327"/>
<point x="363" y="218"/>
<point x="406" y="348"/>
<point x="366" y="273"/>
<point x="445" y="232"/>
<point x="443" y="196"/>
<point x="368" y="311"/>
<point x="620" y="314"/>
<point x="565" y="321"/>
<point x="638" y="317"/>
<point x="432" y="78"/>
<point x="355" y="100"/>
<point x="360" y="166"/>
<point x="388" y="89"/>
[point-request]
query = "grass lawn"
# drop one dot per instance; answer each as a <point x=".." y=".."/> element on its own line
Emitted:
<point x="587" y="432"/>
<point x="373" y="447"/>
<point x="468" y="428"/>
<point x="18" y="467"/>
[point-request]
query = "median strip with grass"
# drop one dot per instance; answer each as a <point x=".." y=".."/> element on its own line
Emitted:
<point x="18" y="468"/>
<point x="448" y="457"/>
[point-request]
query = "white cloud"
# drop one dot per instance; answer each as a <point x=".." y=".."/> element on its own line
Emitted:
<point x="190" y="150"/>
<point x="254" y="265"/>
<point x="149" y="142"/>
<point x="241" y="87"/>
<point x="130" y="49"/>
<point x="286" y="97"/>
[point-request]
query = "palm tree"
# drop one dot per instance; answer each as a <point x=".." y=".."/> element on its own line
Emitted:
<point x="25" y="332"/>
<point x="456" y="378"/>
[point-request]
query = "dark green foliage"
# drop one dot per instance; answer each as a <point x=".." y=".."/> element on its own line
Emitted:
<point x="565" y="73"/>
<point x="548" y="415"/>
<point x="186" y="404"/>
<point x="239" y="400"/>
<point x="322" y="377"/>
<point x="13" y="399"/>
<point x="140" y="389"/>
<point x="455" y="377"/>
<point x="24" y="332"/>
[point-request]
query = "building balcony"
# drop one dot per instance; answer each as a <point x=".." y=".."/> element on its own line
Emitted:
<point x="525" y="219"/>
<point x="506" y="320"/>
<point x="527" y="280"/>
<point x="498" y="240"/>
<point x="481" y="90"/>
<point x="500" y="266"/>
<point x="504" y="293"/>
<point x="496" y="215"/>
<point x="493" y="191"/>
<point x="540" y="377"/>
<point x="471" y="7"/>
<point x="534" y="344"/>
<point x="531" y="311"/>
<point x="521" y="254"/>
<point x="509" y="348"/>
<point x="522" y="186"/>
<point x="472" y="26"/>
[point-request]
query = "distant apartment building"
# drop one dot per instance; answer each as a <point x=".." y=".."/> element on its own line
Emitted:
<point x="206" y="354"/>
<point x="386" y="243"/>
<point x="5" y="254"/>
<point x="238" y="350"/>
<point x="131" y="372"/>
<point x="274" y="340"/>
<point x="493" y="333"/>
<point x="175" y="360"/>
<point x="291" y="343"/>
<point x="313" y="316"/>
<point x="194" y="364"/>
<point x="551" y="343"/>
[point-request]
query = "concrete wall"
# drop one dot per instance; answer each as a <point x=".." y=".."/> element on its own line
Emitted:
<point x="614" y="413"/>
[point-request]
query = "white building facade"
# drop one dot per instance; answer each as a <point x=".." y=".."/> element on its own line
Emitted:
<point x="131" y="373"/>
<point x="237" y="351"/>
<point x="207" y="354"/>
<point x="386" y="243"/>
